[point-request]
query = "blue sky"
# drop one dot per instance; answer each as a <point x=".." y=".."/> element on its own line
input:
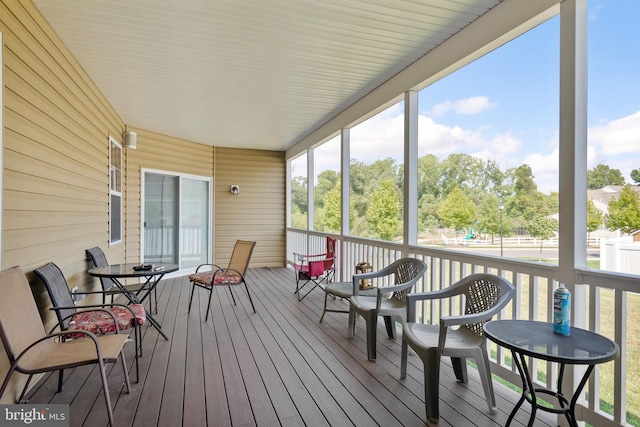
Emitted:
<point x="504" y="106"/>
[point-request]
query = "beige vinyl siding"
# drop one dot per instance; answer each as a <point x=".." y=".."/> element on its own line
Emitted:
<point x="56" y="125"/>
<point x="258" y="212"/>
<point x="163" y="153"/>
<point x="55" y="156"/>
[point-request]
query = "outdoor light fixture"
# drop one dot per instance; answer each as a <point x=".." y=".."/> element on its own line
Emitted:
<point x="130" y="139"/>
<point x="235" y="189"/>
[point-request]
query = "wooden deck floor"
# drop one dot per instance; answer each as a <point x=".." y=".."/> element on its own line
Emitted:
<point x="277" y="367"/>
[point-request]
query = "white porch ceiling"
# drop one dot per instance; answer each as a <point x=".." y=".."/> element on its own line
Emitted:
<point x="258" y="74"/>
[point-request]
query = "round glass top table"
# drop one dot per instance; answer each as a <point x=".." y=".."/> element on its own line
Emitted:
<point x="536" y="339"/>
<point x="151" y="275"/>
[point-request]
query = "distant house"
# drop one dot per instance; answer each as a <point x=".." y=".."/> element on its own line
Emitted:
<point x="602" y="196"/>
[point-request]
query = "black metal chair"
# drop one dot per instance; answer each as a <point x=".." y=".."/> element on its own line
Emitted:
<point x="208" y="276"/>
<point x="109" y="287"/>
<point x="31" y="350"/>
<point x="98" y="318"/>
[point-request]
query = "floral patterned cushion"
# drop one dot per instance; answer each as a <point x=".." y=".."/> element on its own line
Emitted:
<point x="222" y="278"/>
<point x="99" y="322"/>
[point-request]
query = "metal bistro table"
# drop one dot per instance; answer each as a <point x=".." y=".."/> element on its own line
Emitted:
<point x="151" y="276"/>
<point x="537" y="340"/>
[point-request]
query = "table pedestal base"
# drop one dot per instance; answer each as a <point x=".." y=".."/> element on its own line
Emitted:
<point x="566" y="406"/>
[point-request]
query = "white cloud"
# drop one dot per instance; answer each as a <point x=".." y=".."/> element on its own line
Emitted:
<point x="620" y="136"/>
<point x="467" y="106"/>
<point x="545" y="170"/>
<point x="441" y="140"/>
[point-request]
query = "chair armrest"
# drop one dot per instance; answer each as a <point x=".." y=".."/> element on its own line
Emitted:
<point x="447" y="292"/>
<point x="467" y="319"/>
<point x="413" y="298"/>
<point x="370" y="275"/>
<point x="93" y="292"/>
<point x="55" y="335"/>
<point x="212" y="267"/>
<point x="309" y="257"/>
<point x="96" y="308"/>
<point x="373" y="274"/>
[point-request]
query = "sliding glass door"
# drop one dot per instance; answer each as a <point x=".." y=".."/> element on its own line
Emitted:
<point x="176" y="219"/>
<point x="194" y="223"/>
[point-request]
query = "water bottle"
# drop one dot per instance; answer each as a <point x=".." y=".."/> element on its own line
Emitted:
<point x="562" y="311"/>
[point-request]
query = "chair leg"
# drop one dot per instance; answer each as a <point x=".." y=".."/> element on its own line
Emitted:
<point x="324" y="310"/>
<point x="431" y="366"/>
<point x="403" y="359"/>
<point x="482" y="361"/>
<point x="126" y="372"/>
<point x="24" y="390"/>
<point x="351" y="327"/>
<point x="233" y="298"/>
<point x="372" y="334"/>
<point x="460" y="368"/>
<point x="60" y="379"/>
<point x="206" y="317"/>
<point x="193" y="288"/>
<point x="391" y="327"/>
<point x="138" y="348"/>
<point x="249" y="295"/>
<point x="105" y="389"/>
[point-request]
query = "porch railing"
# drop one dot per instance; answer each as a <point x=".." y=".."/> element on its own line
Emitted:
<point x="600" y="303"/>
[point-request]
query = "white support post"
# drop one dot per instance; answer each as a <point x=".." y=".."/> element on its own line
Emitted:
<point x="345" y="186"/>
<point x="410" y="222"/>
<point x="345" y="200"/>
<point x="573" y="163"/>
<point x="310" y="188"/>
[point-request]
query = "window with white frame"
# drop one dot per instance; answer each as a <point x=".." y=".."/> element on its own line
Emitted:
<point x="115" y="191"/>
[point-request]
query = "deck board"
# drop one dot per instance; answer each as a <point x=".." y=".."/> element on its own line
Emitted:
<point x="278" y="366"/>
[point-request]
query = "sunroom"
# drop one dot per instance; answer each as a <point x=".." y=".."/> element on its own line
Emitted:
<point x="290" y="103"/>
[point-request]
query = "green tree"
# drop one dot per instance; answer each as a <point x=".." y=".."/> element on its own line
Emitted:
<point x="299" y="202"/>
<point x="527" y="202"/>
<point x="457" y="210"/>
<point x="326" y="182"/>
<point x="489" y="216"/>
<point x="603" y="175"/>
<point x="462" y="170"/>
<point x="594" y="216"/>
<point x="635" y="176"/>
<point x="331" y="203"/>
<point x="383" y="214"/>
<point x="299" y="193"/>
<point x="429" y="173"/>
<point x="427" y="218"/>
<point x="552" y="202"/>
<point x="543" y="227"/>
<point x="624" y="212"/>
<point x="365" y="179"/>
<point x="496" y="179"/>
